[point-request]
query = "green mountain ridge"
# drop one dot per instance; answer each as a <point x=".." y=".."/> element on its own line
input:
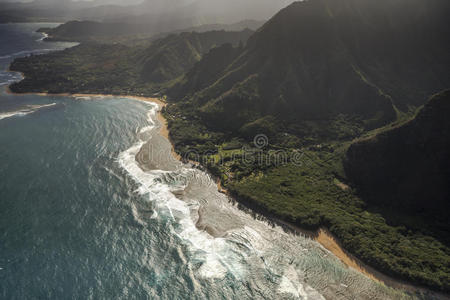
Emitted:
<point x="117" y="68"/>
<point x="166" y="58"/>
<point x="316" y="60"/>
<point x="317" y="75"/>
<point x="407" y="167"/>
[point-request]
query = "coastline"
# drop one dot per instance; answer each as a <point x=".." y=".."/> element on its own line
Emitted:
<point x="322" y="235"/>
<point x="163" y="131"/>
<point x="328" y="241"/>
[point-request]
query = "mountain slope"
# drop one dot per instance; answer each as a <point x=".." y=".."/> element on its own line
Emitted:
<point x="172" y="56"/>
<point x="313" y="78"/>
<point x="407" y="167"/>
<point x="320" y="59"/>
<point x="117" y="68"/>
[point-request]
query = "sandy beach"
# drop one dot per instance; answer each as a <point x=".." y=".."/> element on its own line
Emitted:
<point x="164" y="131"/>
<point x="322" y="236"/>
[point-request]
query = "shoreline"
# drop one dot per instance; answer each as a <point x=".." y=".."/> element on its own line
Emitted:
<point x="325" y="238"/>
<point x="328" y="241"/>
<point x="163" y="130"/>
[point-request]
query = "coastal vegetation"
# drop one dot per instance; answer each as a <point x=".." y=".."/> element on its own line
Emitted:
<point x="308" y="186"/>
<point x="327" y="85"/>
<point x="302" y="82"/>
<point x="142" y="68"/>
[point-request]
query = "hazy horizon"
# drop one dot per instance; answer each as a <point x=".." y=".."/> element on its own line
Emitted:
<point x="186" y="13"/>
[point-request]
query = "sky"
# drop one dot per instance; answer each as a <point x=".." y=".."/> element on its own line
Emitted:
<point x="199" y="11"/>
<point x="121" y="2"/>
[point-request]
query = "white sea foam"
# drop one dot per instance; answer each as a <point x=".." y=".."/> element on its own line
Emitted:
<point x="6" y="78"/>
<point x="212" y="268"/>
<point x="206" y="248"/>
<point x="84" y="98"/>
<point x="146" y="129"/>
<point x="159" y="185"/>
<point x="91" y="98"/>
<point x="287" y="287"/>
<point x="240" y="254"/>
<point x="136" y="215"/>
<point x="44" y="36"/>
<point x="290" y="284"/>
<point x="8" y="82"/>
<point x="214" y="258"/>
<point x="252" y="253"/>
<point x="23" y="112"/>
<point x="26" y="52"/>
<point x="150" y="114"/>
<point x="12" y="114"/>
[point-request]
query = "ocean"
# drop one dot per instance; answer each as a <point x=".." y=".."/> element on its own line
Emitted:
<point x="82" y="218"/>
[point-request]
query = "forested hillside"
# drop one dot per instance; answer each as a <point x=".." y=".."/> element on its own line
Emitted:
<point x="407" y="167"/>
<point x="118" y="68"/>
<point x="319" y="61"/>
<point x="316" y="76"/>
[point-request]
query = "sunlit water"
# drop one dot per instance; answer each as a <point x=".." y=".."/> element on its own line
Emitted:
<point x="79" y="218"/>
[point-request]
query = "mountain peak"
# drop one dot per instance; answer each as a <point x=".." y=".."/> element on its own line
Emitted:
<point x="320" y="60"/>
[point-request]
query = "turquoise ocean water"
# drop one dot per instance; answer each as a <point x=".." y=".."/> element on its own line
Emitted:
<point x="80" y="218"/>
